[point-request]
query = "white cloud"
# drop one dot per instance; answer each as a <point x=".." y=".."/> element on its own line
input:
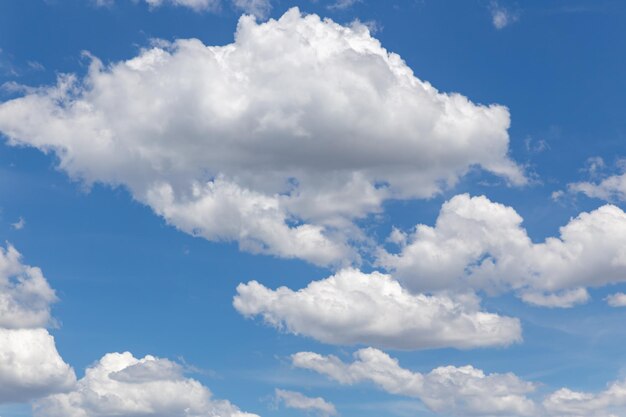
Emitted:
<point x="343" y="4"/>
<point x="608" y="403"/>
<point x="299" y="401"/>
<point x="196" y="5"/>
<point x="25" y="295"/>
<point x="121" y="385"/>
<point x="19" y="224"/>
<point x="30" y="365"/>
<point x="501" y="17"/>
<point x="458" y="391"/>
<point x="616" y="300"/>
<point x="480" y="245"/>
<point x="356" y="308"/>
<point x="278" y="141"/>
<point x="610" y="189"/>
<point x="32" y="369"/>
<point x="465" y="391"/>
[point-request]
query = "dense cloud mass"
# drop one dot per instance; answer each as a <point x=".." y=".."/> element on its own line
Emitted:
<point x="458" y="391"/>
<point x="352" y="307"/>
<point x="277" y="141"/>
<point x="30" y="365"/>
<point x="121" y="385"/>
<point x="481" y="245"/>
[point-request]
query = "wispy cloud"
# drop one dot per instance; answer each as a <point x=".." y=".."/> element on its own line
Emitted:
<point x="501" y="16"/>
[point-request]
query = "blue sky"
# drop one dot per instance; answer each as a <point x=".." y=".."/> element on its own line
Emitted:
<point x="137" y="271"/>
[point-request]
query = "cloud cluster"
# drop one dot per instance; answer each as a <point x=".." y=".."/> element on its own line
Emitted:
<point x="31" y="369"/>
<point x="30" y="365"/>
<point x="278" y="141"/>
<point x="458" y="391"/>
<point x="299" y="401"/>
<point x="465" y="391"/>
<point x="352" y="307"/>
<point x="480" y="245"/>
<point x="121" y="385"/>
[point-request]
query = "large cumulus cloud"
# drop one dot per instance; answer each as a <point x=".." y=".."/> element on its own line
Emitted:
<point x="277" y="141"/>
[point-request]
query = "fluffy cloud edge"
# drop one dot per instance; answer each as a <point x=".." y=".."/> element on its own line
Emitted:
<point x="343" y="167"/>
<point x="479" y="245"/>
<point x="120" y="384"/>
<point x="355" y="308"/>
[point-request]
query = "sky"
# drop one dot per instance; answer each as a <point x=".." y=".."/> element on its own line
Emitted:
<point x="243" y="208"/>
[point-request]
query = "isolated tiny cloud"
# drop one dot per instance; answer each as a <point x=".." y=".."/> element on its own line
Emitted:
<point x="278" y="141"/>
<point x="477" y="244"/>
<point x="501" y="17"/>
<point x="616" y="300"/>
<point x="30" y="366"/>
<point x="352" y="307"/>
<point x="299" y="401"/>
<point x="19" y="224"/>
<point x="121" y="385"/>
<point x="342" y="4"/>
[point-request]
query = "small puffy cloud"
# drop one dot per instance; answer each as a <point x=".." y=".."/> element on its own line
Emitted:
<point x="616" y="300"/>
<point x="449" y="390"/>
<point x="30" y="366"/>
<point x="608" y="403"/>
<point x="299" y="401"/>
<point x="501" y="17"/>
<point x="121" y="385"/>
<point x="278" y="141"/>
<point x="612" y="188"/>
<point x="477" y="244"/>
<point x="352" y="307"/>
<point x="19" y="224"/>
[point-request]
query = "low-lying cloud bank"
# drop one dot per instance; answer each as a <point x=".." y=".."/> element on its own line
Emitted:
<point x="465" y="391"/>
